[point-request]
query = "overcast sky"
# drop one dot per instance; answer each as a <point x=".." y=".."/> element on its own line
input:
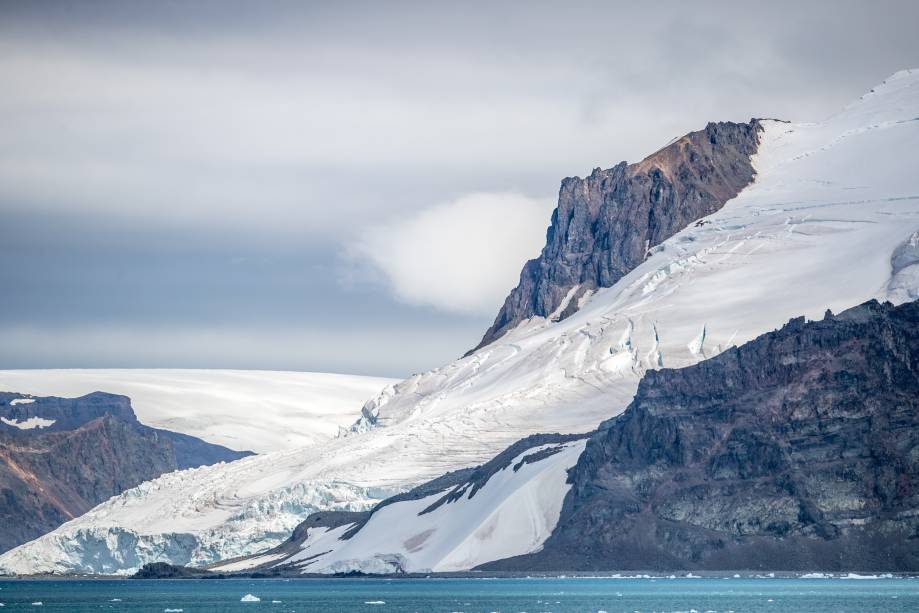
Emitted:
<point x="351" y="187"/>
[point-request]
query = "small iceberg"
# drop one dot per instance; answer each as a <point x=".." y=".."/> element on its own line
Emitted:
<point x="37" y="603"/>
<point x="858" y="576"/>
<point x="173" y="610"/>
<point x="374" y="602"/>
<point x="250" y="598"/>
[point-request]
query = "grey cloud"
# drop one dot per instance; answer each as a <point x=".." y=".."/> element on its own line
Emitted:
<point x="167" y="168"/>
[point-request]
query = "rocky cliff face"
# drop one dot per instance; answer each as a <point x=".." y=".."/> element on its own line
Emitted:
<point x="59" y="457"/>
<point x="797" y="451"/>
<point x="604" y="225"/>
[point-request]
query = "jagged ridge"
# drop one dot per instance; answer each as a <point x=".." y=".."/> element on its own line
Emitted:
<point x="604" y="225"/>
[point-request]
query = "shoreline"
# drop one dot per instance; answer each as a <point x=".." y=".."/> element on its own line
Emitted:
<point x="195" y="575"/>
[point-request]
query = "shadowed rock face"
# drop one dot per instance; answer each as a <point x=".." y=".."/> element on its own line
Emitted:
<point x="604" y="225"/>
<point x="797" y="451"/>
<point x="87" y="450"/>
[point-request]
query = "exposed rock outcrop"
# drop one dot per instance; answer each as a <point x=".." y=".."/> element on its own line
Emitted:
<point x="796" y="451"/>
<point x="59" y="457"/>
<point x="162" y="570"/>
<point x="604" y="225"/>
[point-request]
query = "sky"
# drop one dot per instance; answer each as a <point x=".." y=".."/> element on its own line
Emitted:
<point x="352" y="186"/>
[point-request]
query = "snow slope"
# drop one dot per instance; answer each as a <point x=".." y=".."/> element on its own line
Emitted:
<point x="828" y="223"/>
<point x="521" y="505"/>
<point x="253" y="410"/>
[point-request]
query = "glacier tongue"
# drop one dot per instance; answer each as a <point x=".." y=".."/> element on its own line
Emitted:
<point x="832" y="203"/>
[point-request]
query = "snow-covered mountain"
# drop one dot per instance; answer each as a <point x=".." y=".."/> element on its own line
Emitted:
<point x="831" y="220"/>
<point x="258" y="410"/>
<point x="793" y="451"/>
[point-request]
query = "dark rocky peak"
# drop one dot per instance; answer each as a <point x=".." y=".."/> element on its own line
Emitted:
<point x="64" y="413"/>
<point x="24" y="416"/>
<point x="605" y="224"/>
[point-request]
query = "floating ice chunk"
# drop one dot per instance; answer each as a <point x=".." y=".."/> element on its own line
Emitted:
<point x="173" y="610"/>
<point x="374" y="602"/>
<point x="250" y="598"/>
<point x="37" y="603"/>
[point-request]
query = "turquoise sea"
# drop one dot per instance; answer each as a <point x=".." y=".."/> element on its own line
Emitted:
<point x="536" y="595"/>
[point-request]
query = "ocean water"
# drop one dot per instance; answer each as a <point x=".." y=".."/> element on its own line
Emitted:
<point x="537" y="595"/>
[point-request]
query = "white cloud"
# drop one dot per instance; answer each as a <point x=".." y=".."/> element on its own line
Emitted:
<point x="462" y="256"/>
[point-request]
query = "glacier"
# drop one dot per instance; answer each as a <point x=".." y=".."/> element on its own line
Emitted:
<point x="246" y="410"/>
<point x="829" y="222"/>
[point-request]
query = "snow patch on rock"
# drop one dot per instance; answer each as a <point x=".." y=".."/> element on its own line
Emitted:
<point x="28" y="424"/>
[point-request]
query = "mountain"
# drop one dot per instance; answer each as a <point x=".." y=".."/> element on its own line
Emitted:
<point x="242" y="409"/>
<point x="59" y="457"/>
<point x="831" y="220"/>
<point x="797" y="451"/>
<point x="605" y="224"/>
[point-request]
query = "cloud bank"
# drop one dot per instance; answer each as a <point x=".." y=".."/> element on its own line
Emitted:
<point x="462" y="256"/>
<point x="193" y="170"/>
